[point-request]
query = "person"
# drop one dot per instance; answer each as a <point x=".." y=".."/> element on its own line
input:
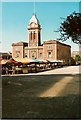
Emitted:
<point x="13" y="69"/>
<point x="6" y="70"/>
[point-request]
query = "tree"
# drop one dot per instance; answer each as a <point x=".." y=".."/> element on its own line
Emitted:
<point x="77" y="58"/>
<point x="71" y="28"/>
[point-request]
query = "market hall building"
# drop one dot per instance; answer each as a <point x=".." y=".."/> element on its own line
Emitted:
<point x="50" y="49"/>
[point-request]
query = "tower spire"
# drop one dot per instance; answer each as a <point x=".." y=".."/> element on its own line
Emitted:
<point x="34" y="7"/>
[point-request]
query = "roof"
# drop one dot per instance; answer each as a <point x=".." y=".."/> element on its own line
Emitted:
<point x="20" y="44"/>
<point x="50" y="42"/>
<point x="2" y="62"/>
<point x="54" y="42"/>
<point x="34" y="19"/>
<point x="5" y="54"/>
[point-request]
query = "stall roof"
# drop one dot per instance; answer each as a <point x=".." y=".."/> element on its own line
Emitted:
<point x="3" y="61"/>
<point x="52" y="60"/>
<point x="22" y="60"/>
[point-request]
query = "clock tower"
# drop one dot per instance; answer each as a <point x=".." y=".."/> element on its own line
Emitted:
<point x="34" y="30"/>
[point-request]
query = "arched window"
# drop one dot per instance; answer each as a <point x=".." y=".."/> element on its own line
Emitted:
<point x="31" y="35"/>
<point x="34" y="35"/>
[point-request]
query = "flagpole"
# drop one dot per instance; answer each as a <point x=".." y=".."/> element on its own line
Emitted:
<point x="34" y="7"/>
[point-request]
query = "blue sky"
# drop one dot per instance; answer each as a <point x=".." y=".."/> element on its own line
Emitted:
<point x="16" y="16"/>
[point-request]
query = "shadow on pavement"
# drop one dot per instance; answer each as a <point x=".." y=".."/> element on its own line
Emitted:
<point x="19" y="98"/>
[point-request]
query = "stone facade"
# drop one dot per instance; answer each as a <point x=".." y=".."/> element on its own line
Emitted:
<point x="18" y="49"/>
<point x="50" y="49"/>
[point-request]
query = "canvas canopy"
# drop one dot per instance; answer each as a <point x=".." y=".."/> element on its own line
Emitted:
<point x="3" y="62"/>
<point x="22" y="60"/>
<point x="57" y="61"/>
<point x="38" y="60"/>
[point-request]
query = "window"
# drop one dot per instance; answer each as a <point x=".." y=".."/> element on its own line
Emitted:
<point x="34" y="35"/>
<point x="17" y="54"/>
<point x="40" y="55"/>
<point x="50" y="47"/>
<point x="33" y="55"/>
<point x="49" y="54"/>
<point x="25" y="55"/>
<point x="31" y="35"/>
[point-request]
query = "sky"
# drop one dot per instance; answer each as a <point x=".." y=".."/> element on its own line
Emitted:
<point x="16" y="16"/>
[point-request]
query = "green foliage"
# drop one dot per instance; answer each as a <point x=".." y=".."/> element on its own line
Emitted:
<point x="77" y="58"/>
<point x="71" y="28"/>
